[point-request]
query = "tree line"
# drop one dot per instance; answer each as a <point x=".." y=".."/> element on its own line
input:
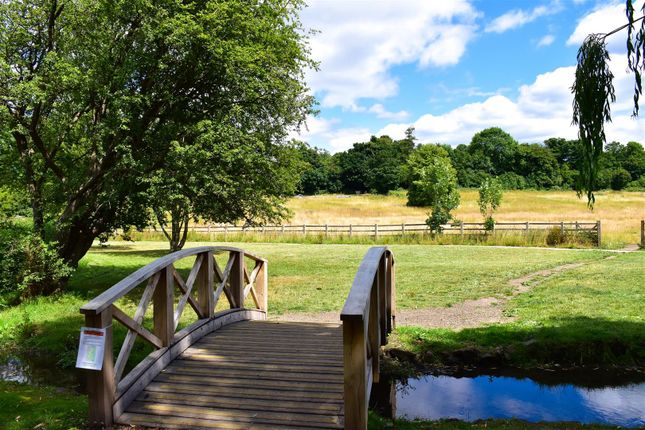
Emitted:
<point x="383" y="164"/>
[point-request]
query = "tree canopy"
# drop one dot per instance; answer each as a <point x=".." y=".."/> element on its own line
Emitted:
<point x="94" y="92"/>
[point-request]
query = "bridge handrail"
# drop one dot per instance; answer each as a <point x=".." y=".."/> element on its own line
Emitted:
<point x="368" y="316"/>
<point x="127" y="284"/>
<point x="109" y="389"/>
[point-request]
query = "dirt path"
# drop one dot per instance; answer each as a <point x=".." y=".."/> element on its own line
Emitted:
<point x="470" y="313"/>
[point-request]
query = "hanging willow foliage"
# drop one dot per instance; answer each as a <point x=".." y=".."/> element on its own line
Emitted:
<point x="593" y="92"/>
<point x="635" y="51"/>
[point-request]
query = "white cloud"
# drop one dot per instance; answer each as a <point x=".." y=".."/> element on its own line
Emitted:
<point x="518" y="17"/>
<point x="603" y="20"/>
<point x="546" y="40"/>
<point x="325" y="133"/>
<point x="381" y="112"/>
<point x="358" y="43"/>
<point x="541" y="110"/>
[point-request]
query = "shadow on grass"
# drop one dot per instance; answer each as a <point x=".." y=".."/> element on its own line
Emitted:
<point x="566" y="342"/>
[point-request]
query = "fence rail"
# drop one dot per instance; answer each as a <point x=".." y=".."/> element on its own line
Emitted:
<point x="377" y="230"/>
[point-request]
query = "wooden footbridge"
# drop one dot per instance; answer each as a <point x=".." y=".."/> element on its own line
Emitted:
<point x="231" y="368"/>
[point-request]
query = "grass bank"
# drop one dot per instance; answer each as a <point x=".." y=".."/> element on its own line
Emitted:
<point x="377" y="423"/>
<point x="590" y="316"/>
<point x="45" y="408"/>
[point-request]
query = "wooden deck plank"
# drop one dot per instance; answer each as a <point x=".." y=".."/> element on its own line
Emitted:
<point x="250" y="375"/>
<point x="235" y="415"/>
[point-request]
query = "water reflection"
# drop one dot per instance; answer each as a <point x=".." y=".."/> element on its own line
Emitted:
<point x="436" y="397"/>
<point x="36" y="370"/>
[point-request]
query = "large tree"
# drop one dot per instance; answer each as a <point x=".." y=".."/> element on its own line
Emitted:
<point x="93" y="92"/>
<point x="593" y="92"/>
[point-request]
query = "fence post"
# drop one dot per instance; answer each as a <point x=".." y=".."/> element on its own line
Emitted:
<point x="599" y="229"/>
<point x="527" y="228"/>
<point x="304" y="229"/>
<point x="375" y="231"/>
<point x="282" y="230"/>
<point x="577" y="227"/>
<point x="350" y="230"/>
<point x="562" y="227"/>
<point x="326" y="230"/>
<point x="461" y="229"/>
<point x="100" y="383"/>
<point x="225" y="231"/>
<point x="642" y="233"/>
<point x="403" y="229"/>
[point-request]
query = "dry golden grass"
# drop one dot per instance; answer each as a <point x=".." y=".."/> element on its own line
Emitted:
<point x="620" y="212"/>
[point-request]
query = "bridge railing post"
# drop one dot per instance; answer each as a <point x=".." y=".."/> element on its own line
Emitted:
<point x="236" y="279"/>
<point x="355" y="375"/>
<point x="163" y="302"/>
<point x="100" y="383"/>
<point x="262" y="286"/>
<point x="205" y="286"/>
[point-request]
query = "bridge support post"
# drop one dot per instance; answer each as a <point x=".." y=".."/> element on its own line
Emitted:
<point x="355" y="379"/>
<point x="100" y="383"/>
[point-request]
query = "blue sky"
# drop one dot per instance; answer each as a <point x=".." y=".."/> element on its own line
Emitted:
<point x="451" y="68"/>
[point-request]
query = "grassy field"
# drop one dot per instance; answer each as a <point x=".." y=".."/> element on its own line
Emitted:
<point x="620" y="212"/>
<point x="589" y="316"/>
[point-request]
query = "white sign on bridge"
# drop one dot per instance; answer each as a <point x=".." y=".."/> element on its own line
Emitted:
<point x="90" y="348"/>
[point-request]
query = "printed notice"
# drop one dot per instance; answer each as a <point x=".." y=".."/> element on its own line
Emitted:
<point x="90" y="348"/>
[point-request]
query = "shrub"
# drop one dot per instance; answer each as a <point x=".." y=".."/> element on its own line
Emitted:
<point x="29" y="267"/>
<point x="620" y="179"/>
<point x="556" y="237"/>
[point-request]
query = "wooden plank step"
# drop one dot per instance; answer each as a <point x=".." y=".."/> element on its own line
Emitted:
<point x="259" y="349"/>
<point x="318" y="407"/>
<point x="260" y="383"/>
<point x="194" y="423"/>
<point x="282" y="341"/>
<point x="231" y="351"/>
<point x="237" y="416"/>
<point x="268" y="356"/>
<point x="252" y="374"/>
<point x="241" y="358"/>
<point x="250" y="391"/>
<point x="259" y="364"/>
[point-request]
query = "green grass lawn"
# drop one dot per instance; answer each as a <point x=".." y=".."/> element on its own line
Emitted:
<point x="27" y="407"/>
<point x="593" y="315"/>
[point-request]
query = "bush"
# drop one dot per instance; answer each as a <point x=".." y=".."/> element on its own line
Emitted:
<point x="29" y="267"/>
<point x="620" y="179"/>
<point x="637" y="185"/>
<point x="512" y="181"/>
<point x="556" y="237"/>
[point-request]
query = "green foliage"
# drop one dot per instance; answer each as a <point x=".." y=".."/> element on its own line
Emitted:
<point x="374" y="166"/>
<point x="556" y="237"/>
<point x="619" y="179"/>
<point x="28" y="267"/>
<point x="219" y="175"/>
<point x="495" y="150"/>
<point x="593" y="92"/>
<point x="319" y="175"/>
<point x="436" y="186"/>
<point x="421" y="158"/>
<point x="94" y="99"/>
<point x="490" y="197"/>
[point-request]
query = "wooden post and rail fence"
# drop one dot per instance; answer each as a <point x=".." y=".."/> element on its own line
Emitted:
<point x="379" y="230"/>
<point x="339" y="376"/>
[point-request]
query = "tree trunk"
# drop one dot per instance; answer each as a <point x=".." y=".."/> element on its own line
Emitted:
<point x="74" y="241"/>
